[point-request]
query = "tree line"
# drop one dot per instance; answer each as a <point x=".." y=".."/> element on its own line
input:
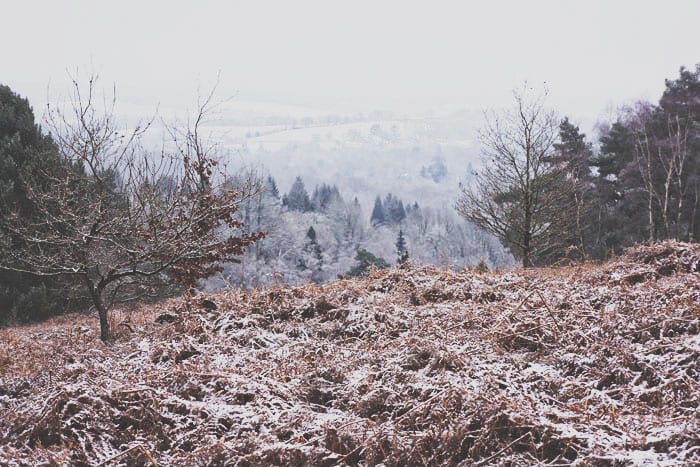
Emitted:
<point x="322" y="236"/>
<point x="547" y="193"/>
<point x="90" y="218"/>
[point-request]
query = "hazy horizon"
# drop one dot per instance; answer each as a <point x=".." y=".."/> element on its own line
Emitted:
<point x="355" y="57"/>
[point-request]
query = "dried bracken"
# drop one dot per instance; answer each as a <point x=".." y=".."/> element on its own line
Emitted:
<point x="583" y="365"/>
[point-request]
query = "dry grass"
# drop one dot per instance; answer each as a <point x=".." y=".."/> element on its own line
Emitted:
<point x="584" y="364"/>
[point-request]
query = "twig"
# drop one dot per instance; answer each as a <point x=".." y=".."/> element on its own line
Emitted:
<point x="427" y="401"/>
<point x="117" y="456"/>
<point x="507" y="315"/>
<point x="510" y="445"/>
<point x="358" y="450"/>
<point x="150" y="458"/>
<point x="551" y="313"/>
<point x="336" y="428"/>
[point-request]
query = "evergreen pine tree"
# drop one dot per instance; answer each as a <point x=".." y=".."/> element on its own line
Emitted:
<point x="573" y="156"/>
<point x="298" y="197"/>
<point x="401" y="250"/>
<point x="271" y="187"/>
<point x="324" y="196"/>
<point x="365" y="261"/>
<point x="24" y="153"/>
<point x="616" y="197"/>
<point x="311" y="234"/>
<point x="400" y="213"/>
<point x="394" y="210"/>
<point x="313" y="256"/>
<point x="378" y="215"/>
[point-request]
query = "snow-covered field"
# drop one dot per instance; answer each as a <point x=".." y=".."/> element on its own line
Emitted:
<point x="583" y="365"/>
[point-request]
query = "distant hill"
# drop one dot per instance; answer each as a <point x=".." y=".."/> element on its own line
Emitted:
<point x="363" y="153"/>
<point x="588" y="364"/>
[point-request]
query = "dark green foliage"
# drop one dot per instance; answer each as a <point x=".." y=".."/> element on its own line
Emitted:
<point x="312" y="258"/>
<point x="681" y="96"/>
<point x="24" y="152"/>
<point x="99" y="219"/>
<point x="572" y="155"/>
<point x="298" y="198"/>
<point x="616" y="152"/>
<point x="366" y="261"/>
<point x="642" y="185"/>
<point x="395" y="211"/>
<point x="311" y="234"/>
<point x="324" y="196"/>
<point x="647" y="180"/>
<point x="389" y="212"/>
<point x="522" y="193"/>
<point x="271" y="187"/>
<point x="616" y="206"/>
<point x="378" y="216"/>
<point x="401" y="250"/>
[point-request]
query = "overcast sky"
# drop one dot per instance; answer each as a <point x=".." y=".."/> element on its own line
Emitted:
<point x="592" y="53"/>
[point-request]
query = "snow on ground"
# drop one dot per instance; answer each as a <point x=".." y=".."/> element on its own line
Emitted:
<point x="582" y="365"/>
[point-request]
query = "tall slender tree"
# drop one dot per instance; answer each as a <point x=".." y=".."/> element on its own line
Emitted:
<point x="519" y="195"/>
<point x="298" y="198"/>
<point x="378" y="217"/>
<point x="401" y="249"/>
<point x="573" y="155"/>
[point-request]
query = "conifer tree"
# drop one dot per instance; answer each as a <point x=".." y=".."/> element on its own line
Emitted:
<point x="313" y="256"/>
<point x="394" y="211"/>
<point x="365" y="261"/>
<point x="24" y="150"/>
<point x="298" y="198"/>
<point x="573" y="156"/>
<point x="271" y="187"/>
<point x="401" y="250"/>
<point x="324" y="196"/>
<point x="378" y="217"/>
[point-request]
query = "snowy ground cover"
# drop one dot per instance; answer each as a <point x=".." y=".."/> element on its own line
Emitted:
<point x="578" y="365"/>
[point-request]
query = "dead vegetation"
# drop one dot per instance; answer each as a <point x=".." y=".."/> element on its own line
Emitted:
<point x="583" y="365"/>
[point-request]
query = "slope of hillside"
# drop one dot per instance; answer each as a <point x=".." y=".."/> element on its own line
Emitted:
<point x="588" y="365"/>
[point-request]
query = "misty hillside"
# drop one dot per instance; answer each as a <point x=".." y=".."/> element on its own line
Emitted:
<point x="585" y="364"/>
<point x="363" y="153"/>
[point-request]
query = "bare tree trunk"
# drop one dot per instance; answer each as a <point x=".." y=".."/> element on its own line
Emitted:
<point x="652" y="226"/>
<point x="527" y="248"/>
<point x="96" y="295"/>
<point x="680" y="151"/>
<point x="679" y="232"/>
<point x="519" y="194"/>
<point x="579" y="229"/>
<point x="691" y="227"/>
<point x="667" y="189"/>
<point x="645" y="152"/>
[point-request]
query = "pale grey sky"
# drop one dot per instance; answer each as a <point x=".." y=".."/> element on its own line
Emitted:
<point x="592" y="53"/>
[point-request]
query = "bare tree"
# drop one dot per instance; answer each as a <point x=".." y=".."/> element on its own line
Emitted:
<point x="119" y="220"/>
<point x="644" y="159"/>
<point x="661" y="156"/>
<point x="519" y="195"/>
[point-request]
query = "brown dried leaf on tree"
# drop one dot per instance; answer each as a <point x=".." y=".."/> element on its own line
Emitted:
<point x="119" y="222"/>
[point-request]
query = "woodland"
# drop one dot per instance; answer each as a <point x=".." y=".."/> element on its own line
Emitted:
<point x="545" y="314"/>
